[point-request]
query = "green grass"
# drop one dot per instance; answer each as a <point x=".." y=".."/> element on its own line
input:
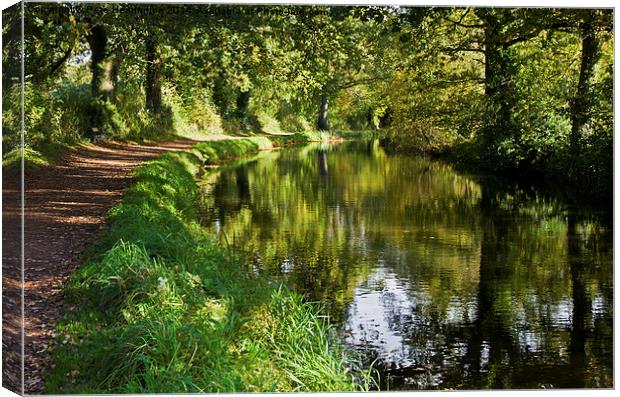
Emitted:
<point x="319" y="136"/>
<point x="46" y="154"/>
<point x="160" y="306"/>
<point x="217" y="151"/>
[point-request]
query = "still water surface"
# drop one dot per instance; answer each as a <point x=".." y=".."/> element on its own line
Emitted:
<point x="447" y="280"/>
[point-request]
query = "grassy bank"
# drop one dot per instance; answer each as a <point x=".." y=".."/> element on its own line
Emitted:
<point x="161" y="306"/>
<point x="50" y="153"/>
<point x="33" y="159"/>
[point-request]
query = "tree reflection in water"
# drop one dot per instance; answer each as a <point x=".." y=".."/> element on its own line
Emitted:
<point x="449" y="281"/>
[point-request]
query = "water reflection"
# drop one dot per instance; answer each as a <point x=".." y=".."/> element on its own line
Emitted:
<point x="445" y="280"/>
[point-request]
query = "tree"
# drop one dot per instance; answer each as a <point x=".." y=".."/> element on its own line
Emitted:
<point x="341" y="47"/>
<point x="153" y="74"/>
<point x="592" y="23"/>
<point x="98" y="42"/>
<point x="436" y="91"/>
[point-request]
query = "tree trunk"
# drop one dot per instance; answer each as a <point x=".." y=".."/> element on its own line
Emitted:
<point x="243" y="102"/>
<point x="97" y="40"/>
<point x="386" y="119"/>
<point x="219" y="96"/>
<point x="114" y="71"/>
<point x="97" y="114"/>
<point x="153" y="76"/>
<point x="498" y="81"/>
<point x="322" y="121"/>
<point x="583" y="98"/>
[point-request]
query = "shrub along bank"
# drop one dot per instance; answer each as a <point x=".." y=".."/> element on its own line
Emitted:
<point x="161" y="306"/>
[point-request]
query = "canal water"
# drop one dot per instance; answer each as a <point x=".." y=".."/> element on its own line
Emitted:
<point x="443" y="280"/>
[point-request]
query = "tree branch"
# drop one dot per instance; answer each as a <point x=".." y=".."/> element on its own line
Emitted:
<point x="360" y="82"/>
<point x="452" y="50"/>
<point x="54" y="68"/>
<point x="465" y="25"/>
<point x="438" y="83"/>
<point x="522" y="38"/>
<point x="564" y="26"/>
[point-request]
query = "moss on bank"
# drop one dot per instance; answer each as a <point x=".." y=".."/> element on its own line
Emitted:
<point x="161" y="306"/>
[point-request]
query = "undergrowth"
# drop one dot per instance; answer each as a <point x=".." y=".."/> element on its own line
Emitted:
<point x="161" y="306"/>
<point x="47" y="154"/>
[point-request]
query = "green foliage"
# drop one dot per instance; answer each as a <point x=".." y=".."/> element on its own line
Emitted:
<point x="162" y="307"/>
<point x="502" y="80"/>
<point x="11" y="119"/>
<point x="195" y="113"/>
<point x="33" y="160"/>
<point x="437" y="98"/>
<point x="498" y="88"/>
<point x="58" y="116"/>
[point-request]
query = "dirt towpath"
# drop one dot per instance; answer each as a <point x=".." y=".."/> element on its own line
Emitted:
<point x="65" y="205"/>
